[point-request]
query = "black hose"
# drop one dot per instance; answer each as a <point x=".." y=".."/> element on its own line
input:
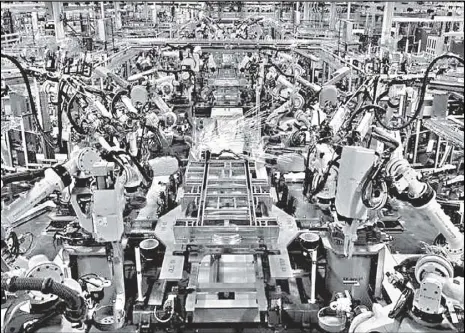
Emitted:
<point x="280" y="71"/>
<point x="422" y="94"/>
<point x="134" y="160"/>
<point x="47" y="286"/>
<point x="14" y="251"/>
<point x="60" y="113"/>
<point x="375" y="88"/>
<point x="364" y="108"/>
<point x="320" y="186"/>
<point x="115" y="100"/>
<point x="389" y="103"/>
<point x="402" y="304"/>
<point x="30" y="96"/>
<point x="78" y="128"/>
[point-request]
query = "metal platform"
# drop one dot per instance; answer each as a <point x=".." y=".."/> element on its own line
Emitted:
<point x="446" y="129"/>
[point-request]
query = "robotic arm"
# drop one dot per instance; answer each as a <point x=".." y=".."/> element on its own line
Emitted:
<point x="422" y="197"/>
<point x="55" y="179"/>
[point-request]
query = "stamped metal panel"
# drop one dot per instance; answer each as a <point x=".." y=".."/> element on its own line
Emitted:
<point x="172" y="268"/>
<point x="280" y="266"/>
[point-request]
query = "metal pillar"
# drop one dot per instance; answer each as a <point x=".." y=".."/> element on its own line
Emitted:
<point x="118" y="19"/>
<point x="59" y="28"/>
<point x="35" y="24"/>
<point x="438" y="152"/>
<point x="146" y="11"/>
<point x="306" y="11"/>
<point x="24" y="142"/>
<point x="297" y="14"/>
<point x="154" y="14"/>
<point x="417" y="141"/>
<point x="349" y="5"/>
<point x="387" y="22"/>
<point x="373" y="24"/>
<point x="101" y="24"/>
<point x="6" y="149"/>
<point x="332" y="16"/>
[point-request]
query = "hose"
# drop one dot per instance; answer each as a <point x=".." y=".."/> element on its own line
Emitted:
<point x="359" y="319"/>
<point x="116" y="99"/>
<point x="73" y="123"/>
<point x="60" y="113"/>
<point x="73" y="300"/>
<point x="422" y="93"/>
<point x="30" y="96"/>
<point x="402" y="304"/>
<point x="113" y="154"/>
<point x="364" y="108"/>
<point x="321" y="184"/>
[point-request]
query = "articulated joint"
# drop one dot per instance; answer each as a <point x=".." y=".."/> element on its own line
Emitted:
<point x="64" y="174"/>
<point x="424" y="198"/>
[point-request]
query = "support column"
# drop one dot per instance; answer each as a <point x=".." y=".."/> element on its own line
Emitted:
<point x="118" y="19"/>
<point x="350" y="80"/>
<point x="407" y="40"/>
<point x="146" y="11"/>
<point x="154" y="14"/>
<point x="59" y="28"/>
<point x="417" y="141"/>
<point x="101" y="24"/>
<point x="306" y="11"/>
<point x="297" y="14"/>
<point x="24" y="142"/>
<point x="332" y="16"/>
<point x="367" y="27"/>
<point x="373" y="23"/>
<point x="438" y="151"/>
<point x="6" y="149"/>
<point x="349" y="6"/>
<point x="35" y="23"/>
<point x="387" y="22"/>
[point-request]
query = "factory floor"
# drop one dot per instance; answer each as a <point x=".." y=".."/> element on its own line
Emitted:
<point x="418" y="228"/>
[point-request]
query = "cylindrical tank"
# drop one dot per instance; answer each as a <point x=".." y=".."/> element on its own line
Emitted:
<point x="309" y="241"/>
<point x="148" y="248"/>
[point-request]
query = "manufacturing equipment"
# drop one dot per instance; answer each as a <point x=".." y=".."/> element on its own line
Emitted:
<point x="220" y="177"/>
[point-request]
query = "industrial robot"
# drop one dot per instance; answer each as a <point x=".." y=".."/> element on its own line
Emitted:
<point x="431" y="285"/>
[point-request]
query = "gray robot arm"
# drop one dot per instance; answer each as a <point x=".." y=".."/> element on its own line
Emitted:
<point x="55" y="178"/>
<point x="423" y="198"/>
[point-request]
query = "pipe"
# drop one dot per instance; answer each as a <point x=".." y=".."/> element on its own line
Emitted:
<point x="105" y="73"/>
<point x="118" y="282"/>
<point x="312" y="86"/>
<point x="139" y="76"/>
<point x="283" y="81"/>
<point x="140" y="297"/>
<point x="312" y="299"/>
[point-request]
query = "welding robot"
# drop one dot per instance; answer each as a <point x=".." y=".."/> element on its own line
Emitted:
<point x="431" y="285"/>
<point x="101" y="223"/>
